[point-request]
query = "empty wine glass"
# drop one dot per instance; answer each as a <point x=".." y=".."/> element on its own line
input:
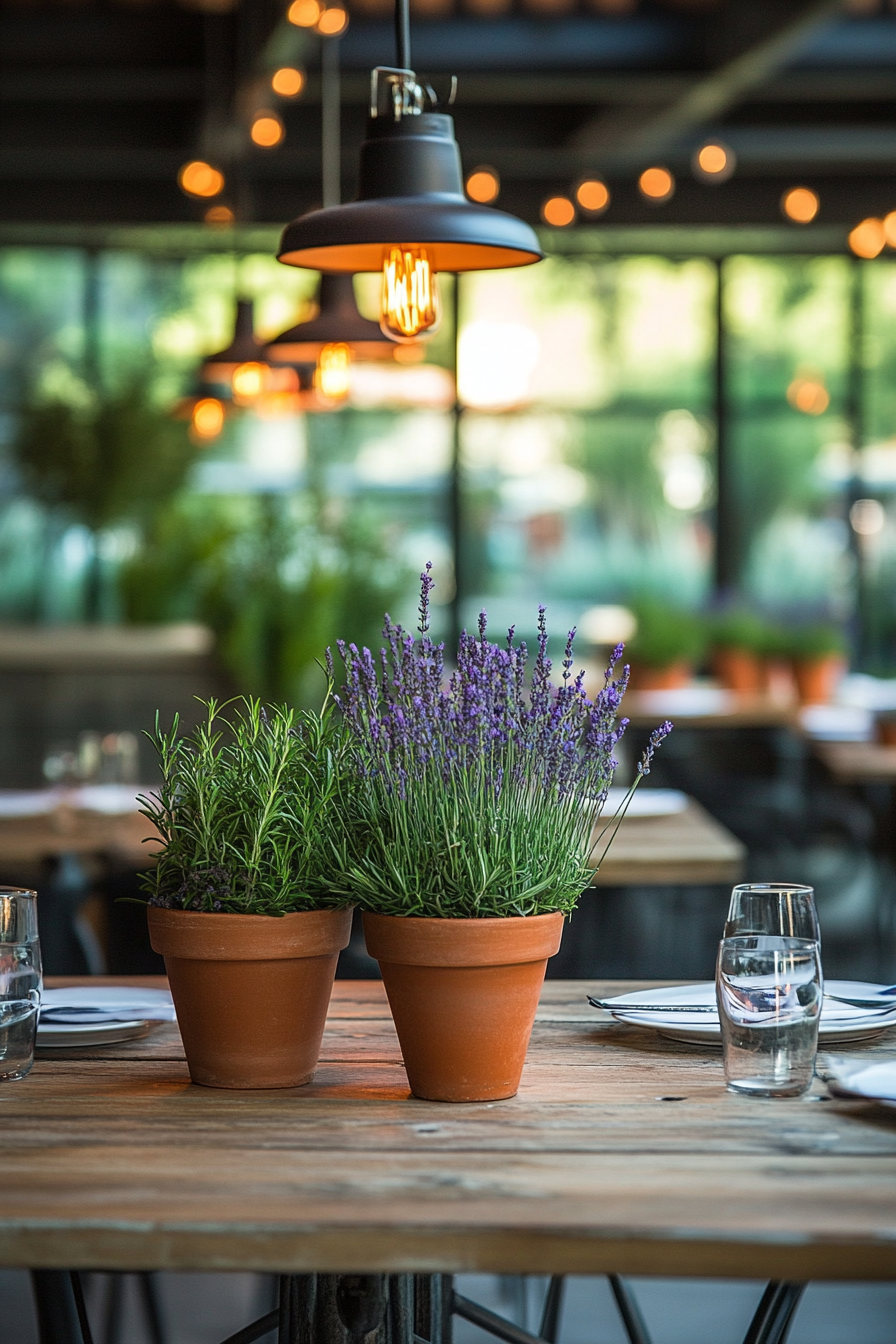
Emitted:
<point x="777" y="909"/>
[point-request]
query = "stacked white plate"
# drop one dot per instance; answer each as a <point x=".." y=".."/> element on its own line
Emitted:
<point x="100" y="1015"/>
<point x="840" y="1022"/>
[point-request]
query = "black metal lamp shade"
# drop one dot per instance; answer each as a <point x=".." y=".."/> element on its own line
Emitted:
<point x="244" y="348"/>
<point x="410" y="193"/>
<point x="337" y="322"/>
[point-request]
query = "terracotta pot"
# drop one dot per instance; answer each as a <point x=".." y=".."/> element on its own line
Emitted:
<point x="738" y="670"/>
<point x="251" y="991"/>
<point x="463" y="993"/>
<point x="661" y="678"/>
<point x="886" y="730"/>
<point x="816" y="678"/>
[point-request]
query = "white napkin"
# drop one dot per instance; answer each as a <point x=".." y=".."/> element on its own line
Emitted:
<point x="106" y="1003"/>
<point x="872" y="1079"/>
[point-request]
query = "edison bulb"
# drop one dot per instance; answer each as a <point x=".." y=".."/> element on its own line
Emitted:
<point x="208" y="418"/>
<point x="248" y="380"/>
<point x="331" y="377"/>
<point x="410" y="303"/>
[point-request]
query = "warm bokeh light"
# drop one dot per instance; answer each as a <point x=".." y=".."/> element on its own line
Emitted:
<point x="558" y="211"/>
<point x="248" y="381"/>
<point x="207" y="419"/>
<point x="410" y="297"/>
<point x="657" y="185"/>
<point x="714" y="162"/>
<point x="800" y="205"/>
<point x="304" y="13"/>
<point x="889" y="222"/>
<point x="219" y="214"/>
<point x="483" y="185"/>
<point x="288" y="82"/>
<point x="200" y="179"/>
<point x="868" y="238"/>
<point x="332" y="377"/>
<point x="593" y="195"/>
<point x="495" y="364"/>
<point x="332" y="22"/>
<point x="808" y="394"/>
<point x="267" y="130"/>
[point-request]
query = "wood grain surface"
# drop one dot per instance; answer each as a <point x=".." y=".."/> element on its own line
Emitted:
<point x="858" y="762"/>
<point x="621" y="1153"/>
<point x="686" y="847"/>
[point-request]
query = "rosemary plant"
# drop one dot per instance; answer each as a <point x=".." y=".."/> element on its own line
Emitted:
<point x="476" y="797"/>
<point x="249" y="811"/>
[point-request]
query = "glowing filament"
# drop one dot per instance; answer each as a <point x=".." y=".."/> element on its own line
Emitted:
<point x="248" y="381"/>
<point x="410" y="303"/>
<point x="331" y="377"/>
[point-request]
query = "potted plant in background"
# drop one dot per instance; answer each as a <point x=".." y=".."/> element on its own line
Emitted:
<point x="818" y="657"/>
<point x="241" y="901"/>
<point x="476" y="806"/>
<point x="667" y="645"/>
<point x="738" y="639"/>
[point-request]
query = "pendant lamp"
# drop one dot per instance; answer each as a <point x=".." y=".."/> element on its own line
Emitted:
<point x="411" y="218"/>
<point x="241" y="367"/>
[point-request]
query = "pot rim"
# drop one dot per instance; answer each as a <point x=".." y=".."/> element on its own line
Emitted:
<point x="200" y="935"/>
<point x="438" y="940"/>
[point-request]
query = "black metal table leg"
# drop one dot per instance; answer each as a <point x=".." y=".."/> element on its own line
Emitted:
<point x="774" y="1315"/>
<point x="553" y="1306"/>
<point x="61" y="1313"/>
<point x="635" y="1325"/>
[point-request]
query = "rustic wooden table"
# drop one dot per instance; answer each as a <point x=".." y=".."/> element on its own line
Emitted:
<point x="685" y="848"/>
<point x="858" y="762"/>
<point x="709" y="707"/>
<point x="621" y="1153"/>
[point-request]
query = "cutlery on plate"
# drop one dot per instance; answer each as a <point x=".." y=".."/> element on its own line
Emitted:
<point x="870" y="1002"/>
<point x="610" y="1007"/>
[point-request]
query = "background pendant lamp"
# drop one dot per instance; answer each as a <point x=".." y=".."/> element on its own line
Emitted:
<point x="241" y="367"/>
<point x="338" y="333"/>
<point x="411" y="218"/>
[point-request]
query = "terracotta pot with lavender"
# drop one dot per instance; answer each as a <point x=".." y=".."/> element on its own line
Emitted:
<point x="477" y="801"/>
<point x="241" y="901"/>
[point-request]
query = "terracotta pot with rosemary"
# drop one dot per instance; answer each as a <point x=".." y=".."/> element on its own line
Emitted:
<point x="476" y="806"/>
<point x="241" y="901"/>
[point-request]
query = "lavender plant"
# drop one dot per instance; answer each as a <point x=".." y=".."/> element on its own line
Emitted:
<point x="479" y="797"/>
<point x="250" y="811"/>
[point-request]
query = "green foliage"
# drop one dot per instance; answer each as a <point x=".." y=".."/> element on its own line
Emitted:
<point x="249" y="809"/>
<point x="273" y="577"/>
<point x="665" y="635"/>
<point x="110" y="460"/>
<point x="813" y="641"/>
<point x="450" y="849"/>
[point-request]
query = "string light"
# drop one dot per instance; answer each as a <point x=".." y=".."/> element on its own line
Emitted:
<point x="558" y="211"/>
<point x="800" y="205"/>
<point x="287" y="82"/>
<point x="807" y="393"/>
<point x="483" y="185"/>
<point x="889" y="222"/>
<point x="593" y="195"/>
<point x="714" y="162"/>
<point x="220" y="215"/>
<point x="198" y="178"/>
<point x="332" y="22"/>
<point x="267" y="130"/>
<point x="657" y="185"/>
<point x="304" y="13"/>
<point x="868" y="238"/>
<point x="248" y="382"/>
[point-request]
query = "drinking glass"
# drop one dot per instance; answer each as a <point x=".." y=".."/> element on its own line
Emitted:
<point x="783" y="909"/>
<point x="20" y="980"/>
<point x="769" y="993"/>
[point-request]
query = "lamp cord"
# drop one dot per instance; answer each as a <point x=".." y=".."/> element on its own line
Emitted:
<point x="403" y="34"/>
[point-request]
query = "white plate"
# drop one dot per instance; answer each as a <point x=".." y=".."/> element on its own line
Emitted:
<point x="645" y="803"/>
<point x="116" y="1002"/>
<point x="72" y="1034"/>
<point x="860" y="1079"/>
<point x="840" y="1023"/>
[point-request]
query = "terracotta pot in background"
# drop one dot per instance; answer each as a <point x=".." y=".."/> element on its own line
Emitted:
<point x="817" y="678"/>
<point x="251" y="991"/>
<point x="886" y="729"/>
<point x="661" y="678"/>
<point x="463" y="994"/>
<point x="778" y="680"/>
<point x="738" y="670"/>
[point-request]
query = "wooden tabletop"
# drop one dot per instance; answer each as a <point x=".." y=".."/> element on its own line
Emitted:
<point x="858" y="762"/>
<point x="67" y="830"/>
<point x="621" y="1153"/>
<point x="708" y="707"/>
<point x="677" y="850"/>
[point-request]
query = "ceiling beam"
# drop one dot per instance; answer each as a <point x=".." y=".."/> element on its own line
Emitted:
<point x="627" y="138"/>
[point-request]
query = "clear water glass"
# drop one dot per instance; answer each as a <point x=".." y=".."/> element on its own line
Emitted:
<point x="769" y="991"/>
<point x="20" y="981"/>
<point x="785" y="909"/>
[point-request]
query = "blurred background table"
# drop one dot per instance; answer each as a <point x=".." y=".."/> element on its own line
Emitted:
<point x="679" y="849"/>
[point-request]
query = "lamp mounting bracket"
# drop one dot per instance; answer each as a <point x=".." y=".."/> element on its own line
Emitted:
<point x="400" y="93"/>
